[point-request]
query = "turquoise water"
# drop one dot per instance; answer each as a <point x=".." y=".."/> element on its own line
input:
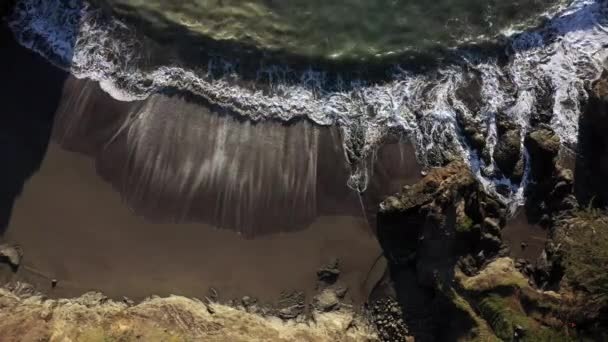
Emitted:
<point x="340" y="29"/>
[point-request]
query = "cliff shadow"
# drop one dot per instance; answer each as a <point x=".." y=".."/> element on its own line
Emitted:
<point x="30" y="90"/>
<point x="591" y="163"/>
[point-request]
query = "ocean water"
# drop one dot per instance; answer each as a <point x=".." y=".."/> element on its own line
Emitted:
<point x="529" y="69"/>
<point x="339" y="29"/>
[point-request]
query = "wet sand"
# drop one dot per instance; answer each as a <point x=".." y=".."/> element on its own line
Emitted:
<point x="174" y="160"/>
<point x="74" y="227"/>
<point x="518" y="230"/>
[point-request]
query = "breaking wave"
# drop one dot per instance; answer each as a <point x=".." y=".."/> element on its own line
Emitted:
<point x="539" y="71"/>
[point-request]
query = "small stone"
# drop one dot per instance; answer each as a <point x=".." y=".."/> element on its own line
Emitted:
<point x="326" y="301"/>
<point x="291" y="312"/>
<point x="54" y="283"/>
<point x="491" y="242"/>
<point x="545" y="220"/>
<point x="329" y="273"/>
<point x="480" y="257"/>
<point x="423" y="173"/>
<point x="248" y="301"/>
<point x="491" y="226"/>
<point x="127" y="301"/>
<point x="395" y="310"/>
<point x="524" y="245"/>
<point x="213" y="294"/>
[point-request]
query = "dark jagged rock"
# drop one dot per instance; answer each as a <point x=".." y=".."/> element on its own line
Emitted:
<point x="247" y="301"/>
<point x="472" y="131"/>
<point x="291" y="305"/>
<point x="592" y="149"/>
<point x="552" y="183"/>
<point x="426" y="230"/>
<point x="543" y="145"/>
<point x="329" y="273"/>
<point x="433" y="222"/>
<point x="507" y="152"/>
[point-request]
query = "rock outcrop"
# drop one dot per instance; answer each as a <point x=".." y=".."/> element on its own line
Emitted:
<point x="507" y="152"/>
<point x="436" y="221"/>
<point x="429" y="228"/>
<point x="551" y="188"/>
<point x="592" y="149"/>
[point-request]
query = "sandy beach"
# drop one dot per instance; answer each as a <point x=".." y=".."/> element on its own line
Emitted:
<point x="165" y="196"/>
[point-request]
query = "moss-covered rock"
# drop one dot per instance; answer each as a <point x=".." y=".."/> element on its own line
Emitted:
<point x="481" y="331"/>
<point x="500" y="273"/>
<point x="510" y="322"/>
<point x="513" y="309"/>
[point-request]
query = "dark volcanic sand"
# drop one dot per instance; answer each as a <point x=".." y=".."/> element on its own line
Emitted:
<point x="168" y="178"/>
<point x="74" y="227"/>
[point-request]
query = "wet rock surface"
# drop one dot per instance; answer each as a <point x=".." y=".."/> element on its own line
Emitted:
<point x="507" y="152"/>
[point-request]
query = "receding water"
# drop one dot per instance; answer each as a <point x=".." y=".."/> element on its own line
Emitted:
<point x="341" y="29"/>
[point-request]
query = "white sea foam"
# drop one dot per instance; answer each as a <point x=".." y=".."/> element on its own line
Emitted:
<point x="558" y="57"/>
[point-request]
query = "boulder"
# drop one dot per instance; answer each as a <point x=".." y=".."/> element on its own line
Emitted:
<point x="330" y="272"/>
<point x="543" y="145"/>
<point x="12" y="254"/>
<point x="507" y="154"/>
<point x="291" y="305"/>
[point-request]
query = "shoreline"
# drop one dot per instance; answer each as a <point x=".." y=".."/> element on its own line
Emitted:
<point x="76" y="227"/>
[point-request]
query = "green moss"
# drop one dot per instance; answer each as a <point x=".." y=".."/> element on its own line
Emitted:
<point x="498" y="275"/>
<point x="482" y="331"/>
<point x="464" y="225"/>
<point x="504" y="314"/>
